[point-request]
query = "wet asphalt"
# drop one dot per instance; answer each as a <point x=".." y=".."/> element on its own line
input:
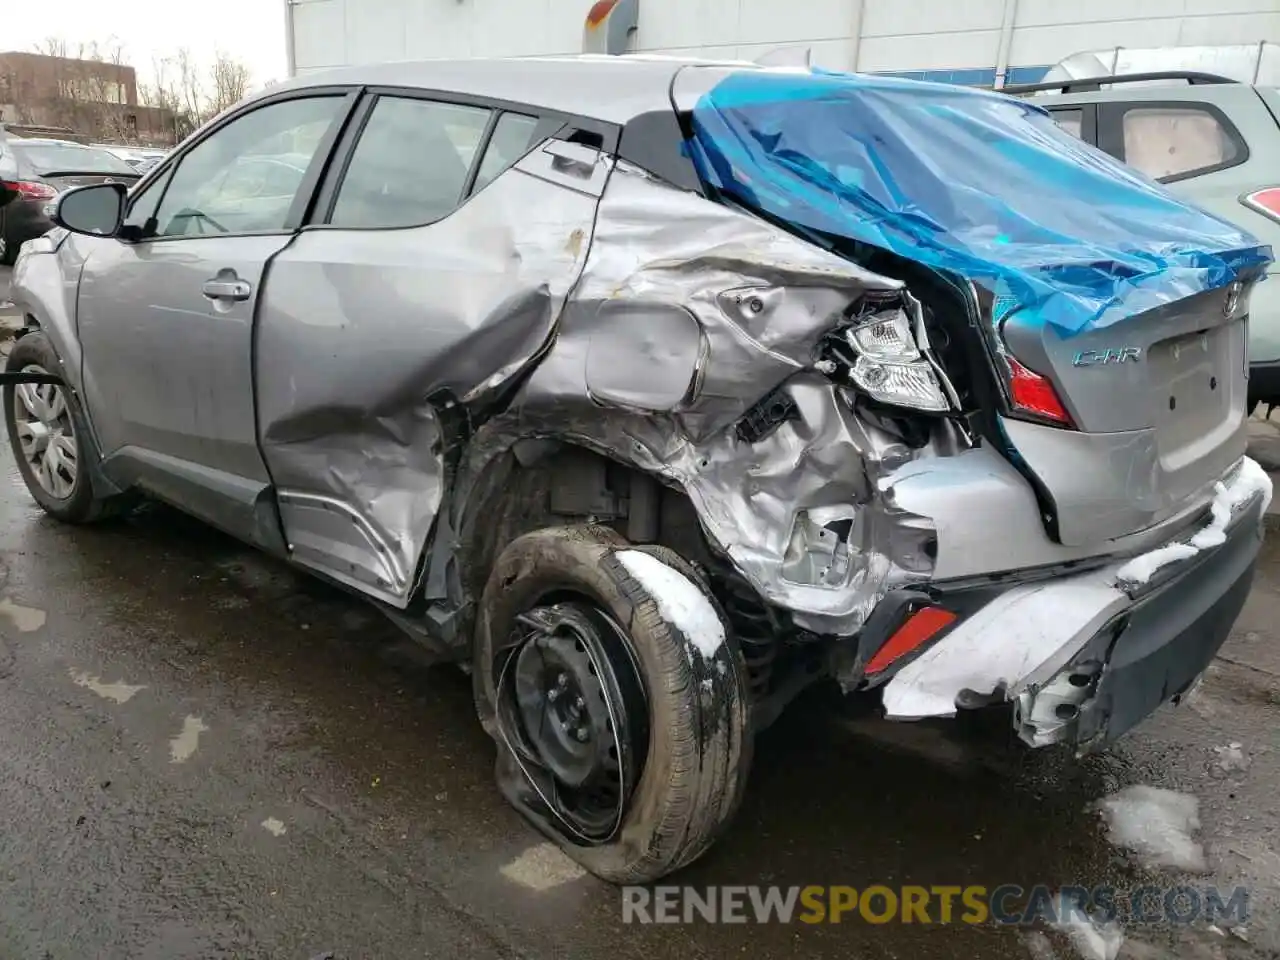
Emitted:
<point x="204" y="754"/>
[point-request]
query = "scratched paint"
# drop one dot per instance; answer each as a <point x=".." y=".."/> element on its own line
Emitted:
<point x="120" y="692"/>
<point x="185" y="743"/>
<point x="542" y="868"/>
<point x="26" y="619"/>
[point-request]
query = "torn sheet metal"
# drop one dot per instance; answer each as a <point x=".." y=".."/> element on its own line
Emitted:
<point x="963" y="180"/>
<point x="1024" y="637"/>
<point x="443" y="315"/>
<point x="763" y="300"/>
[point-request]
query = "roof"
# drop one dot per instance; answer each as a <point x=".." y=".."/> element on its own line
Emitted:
<point x="613" y="89"/>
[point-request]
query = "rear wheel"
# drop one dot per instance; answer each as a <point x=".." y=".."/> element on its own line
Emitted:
<point x="617" y="699"/>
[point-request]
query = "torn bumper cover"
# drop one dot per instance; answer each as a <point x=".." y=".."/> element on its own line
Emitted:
<point x="1085" y="658"/>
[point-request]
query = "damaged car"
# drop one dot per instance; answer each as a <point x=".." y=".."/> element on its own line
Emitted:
<point x="655" y="392"/>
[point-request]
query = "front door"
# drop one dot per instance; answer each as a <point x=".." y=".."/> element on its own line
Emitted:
<point x="167" y="314"/>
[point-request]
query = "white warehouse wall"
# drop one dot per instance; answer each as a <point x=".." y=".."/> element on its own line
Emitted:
<point x="938" y="36"/>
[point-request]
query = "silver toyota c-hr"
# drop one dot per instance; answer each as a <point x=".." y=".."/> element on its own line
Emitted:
<point x="657" y="392"/>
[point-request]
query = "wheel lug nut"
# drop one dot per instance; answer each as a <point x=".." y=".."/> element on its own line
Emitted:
<point x="562" y="681"/>
<point x="581" y="734"/>
<point x="553" y="694"/>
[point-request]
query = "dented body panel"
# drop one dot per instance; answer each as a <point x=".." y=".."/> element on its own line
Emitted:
<point x="366" y="337"/>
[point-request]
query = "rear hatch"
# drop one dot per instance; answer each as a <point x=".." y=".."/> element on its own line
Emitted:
<point x="1112" y="315"/>
<point x="1155" y="411"/>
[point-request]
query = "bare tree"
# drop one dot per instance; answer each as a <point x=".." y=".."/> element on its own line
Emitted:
<point x="88" y="89"/>
<point x="229" y="82"/>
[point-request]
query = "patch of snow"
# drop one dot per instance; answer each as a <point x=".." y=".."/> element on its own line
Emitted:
<point x="119" y="691"/>
<point x="1249" y="481"/>
<point x="1093" y="940"/>
<point x="26" y="619"/>
<point x="1156" y="825"/>
<point x="183" y="746"/>
<point x="274" y="827"/>
<point x="1038" y="946"/>
<point x="542" y="868"/>
<point x="1232" y="758"/>
<point x="680" y="601"/>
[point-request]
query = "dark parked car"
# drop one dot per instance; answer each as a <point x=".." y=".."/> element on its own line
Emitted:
<point x="37" y="170"/>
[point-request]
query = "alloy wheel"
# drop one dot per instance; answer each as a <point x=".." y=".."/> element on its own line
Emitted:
<point x="47" y="434"/>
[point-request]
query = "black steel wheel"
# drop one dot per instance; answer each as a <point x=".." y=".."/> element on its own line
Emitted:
<point x="574" y="710"/>
<point x="622" y="736"/>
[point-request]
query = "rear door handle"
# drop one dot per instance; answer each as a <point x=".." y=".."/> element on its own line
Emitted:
<point x="227" y="290"/>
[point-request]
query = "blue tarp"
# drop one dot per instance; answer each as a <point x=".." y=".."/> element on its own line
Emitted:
<point x="968" y="181"/>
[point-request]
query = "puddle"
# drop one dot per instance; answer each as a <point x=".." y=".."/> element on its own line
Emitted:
<point x="185" y="743"/>
<point x="26" y="619"/>
<point x="119" y="691"/>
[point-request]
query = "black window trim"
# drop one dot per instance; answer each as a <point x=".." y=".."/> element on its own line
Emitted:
<point x="1111" y="132"/>
<point x="557" y="124"/>
<point x="348" y="96"/>
<point x="1088" y="119"/>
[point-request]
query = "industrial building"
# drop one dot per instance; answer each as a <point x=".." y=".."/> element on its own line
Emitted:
<point x="963" y="41"/>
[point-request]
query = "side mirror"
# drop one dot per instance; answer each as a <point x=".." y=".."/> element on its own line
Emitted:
<point x="96" y="210"/>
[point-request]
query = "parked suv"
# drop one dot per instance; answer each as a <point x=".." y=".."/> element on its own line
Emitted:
<point x="1210" y="139"/>
<point x="657" y="391"/>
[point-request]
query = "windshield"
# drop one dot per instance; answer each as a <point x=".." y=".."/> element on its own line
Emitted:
<point x="69" y="158"/>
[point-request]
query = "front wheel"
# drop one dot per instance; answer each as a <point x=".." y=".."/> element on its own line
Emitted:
<point x="47" y="436"/>
<point x="617" y="699"/>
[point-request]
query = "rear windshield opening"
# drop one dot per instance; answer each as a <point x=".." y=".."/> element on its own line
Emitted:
<point x="69" y="158"/>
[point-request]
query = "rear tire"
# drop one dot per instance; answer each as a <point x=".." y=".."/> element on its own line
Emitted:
<point x="69" y="496"/>
<point x="696" y="755"/>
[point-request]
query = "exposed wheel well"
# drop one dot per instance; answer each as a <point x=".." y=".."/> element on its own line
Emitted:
<point x="542" y="483"/>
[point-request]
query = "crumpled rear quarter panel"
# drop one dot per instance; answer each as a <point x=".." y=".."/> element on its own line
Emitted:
<point x="673" y="254"/>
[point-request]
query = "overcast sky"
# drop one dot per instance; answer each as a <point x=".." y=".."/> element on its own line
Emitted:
<point x="252" y="31"/>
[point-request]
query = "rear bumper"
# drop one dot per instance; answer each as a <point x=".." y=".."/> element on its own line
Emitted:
<point x="24" y="220"/>
<point x="1084" y="658"/>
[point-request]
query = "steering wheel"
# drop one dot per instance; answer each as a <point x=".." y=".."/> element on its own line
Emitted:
<point x="191" y="213"/>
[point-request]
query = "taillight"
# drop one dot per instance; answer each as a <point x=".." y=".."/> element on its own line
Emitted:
<point x="1266" y="202"/>
<point x="29" y="190"/>
<point x="1033" y="394"/>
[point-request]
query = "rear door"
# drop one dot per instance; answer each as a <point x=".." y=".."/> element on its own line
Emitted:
<point x="166" y="315"/>
<point x="445" y="240"/>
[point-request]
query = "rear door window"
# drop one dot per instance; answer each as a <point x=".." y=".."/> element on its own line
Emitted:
<point x="513" y="135"/>
<point x="1173" y="141"/>
<point x="410" y="165"/>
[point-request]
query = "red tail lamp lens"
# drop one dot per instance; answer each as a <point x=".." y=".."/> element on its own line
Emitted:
<point x="919" y="627"/>
<point x="1034" y="394"/>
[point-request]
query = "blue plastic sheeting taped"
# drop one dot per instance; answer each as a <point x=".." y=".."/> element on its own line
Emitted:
<point x="968" y="181"/>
